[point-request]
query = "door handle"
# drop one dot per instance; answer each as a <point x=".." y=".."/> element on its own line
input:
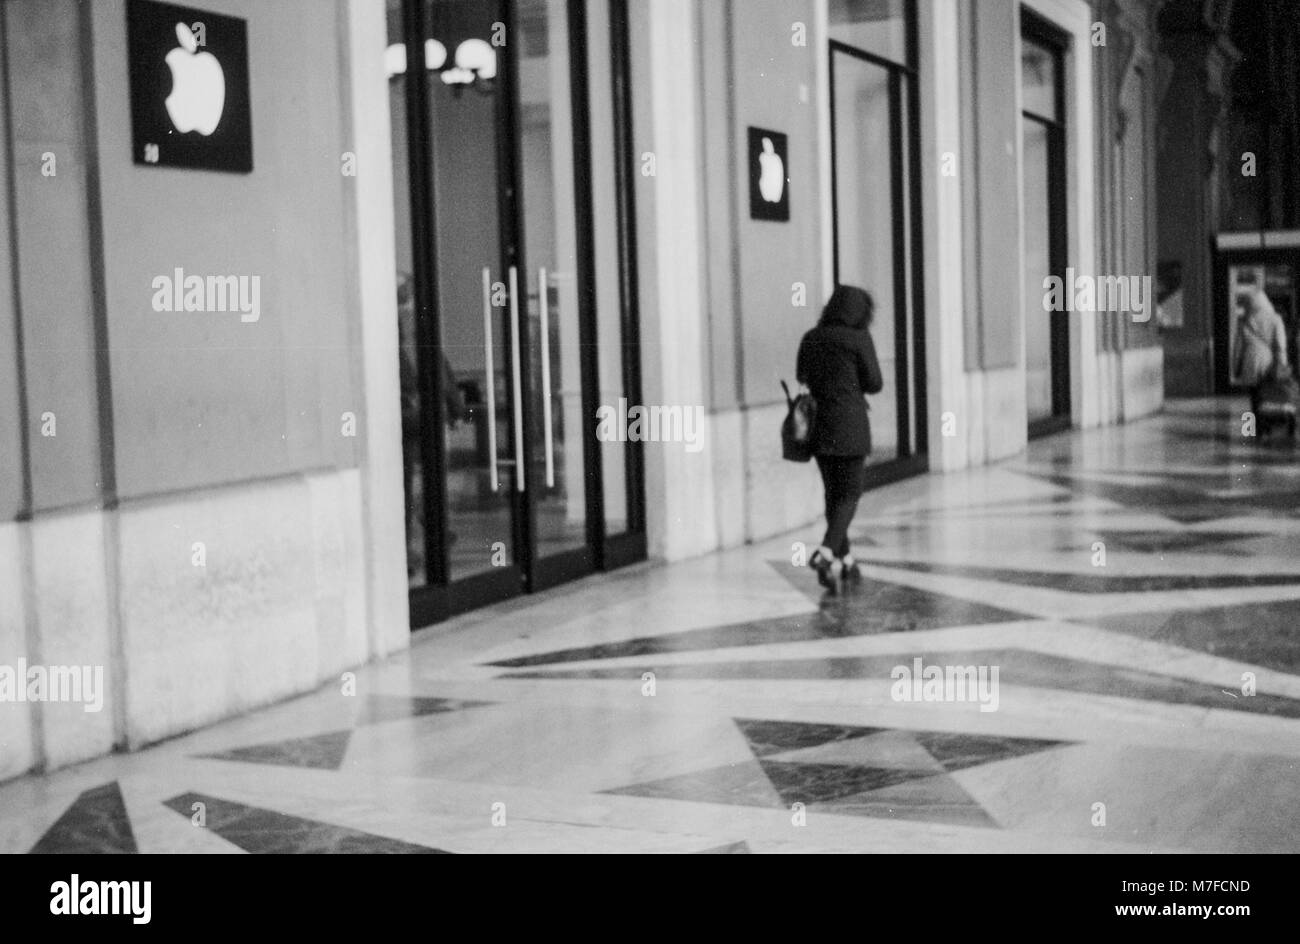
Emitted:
<point x="491" y="378"/>
<point x="515" y="373"/>
<point x="544" y="301"/>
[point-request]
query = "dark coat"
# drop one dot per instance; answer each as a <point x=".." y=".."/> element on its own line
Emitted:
<point x="837" y="362"/>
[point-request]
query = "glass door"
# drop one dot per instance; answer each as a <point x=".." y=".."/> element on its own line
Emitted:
<point x="875" y="219"/>
<point x="497" y="297"/>
<point x="552" y="293"/>
<point x="477" y="370"/>
<point x="867" y="216"/>
<point x="1042" y="132"/>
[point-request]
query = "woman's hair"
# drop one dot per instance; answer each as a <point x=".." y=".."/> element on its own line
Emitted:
<point x="848" y="306"/>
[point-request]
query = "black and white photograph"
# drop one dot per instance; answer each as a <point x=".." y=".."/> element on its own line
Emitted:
<point x="616" y="427"/>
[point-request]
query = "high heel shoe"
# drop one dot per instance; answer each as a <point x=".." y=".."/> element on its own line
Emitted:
<point x="830" y="572"/>
<point x="852" y="574"/>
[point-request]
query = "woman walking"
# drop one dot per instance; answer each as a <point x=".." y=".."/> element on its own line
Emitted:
<point x="837" y="362"/>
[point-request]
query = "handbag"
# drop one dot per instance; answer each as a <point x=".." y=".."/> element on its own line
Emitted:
<point x="797" y="428"/>
<point x="1279" y="394"/>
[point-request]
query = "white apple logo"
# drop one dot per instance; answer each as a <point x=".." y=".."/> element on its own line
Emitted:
<point x="198" y="86"/>
<point x="771" y="179"/>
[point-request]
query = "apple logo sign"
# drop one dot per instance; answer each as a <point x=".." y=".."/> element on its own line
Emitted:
<point x="771" y="179"/>
<point x="191" y="105"/>
<point x="769" y="197"/>
<point x="198" y="86"/>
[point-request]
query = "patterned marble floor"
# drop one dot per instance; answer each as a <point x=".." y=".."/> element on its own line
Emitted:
<point x="1122" y="721"/>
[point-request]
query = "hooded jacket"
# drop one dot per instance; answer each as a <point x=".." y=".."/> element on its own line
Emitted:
<point x="1260" y="342"/>
<point x="837" y="362"/>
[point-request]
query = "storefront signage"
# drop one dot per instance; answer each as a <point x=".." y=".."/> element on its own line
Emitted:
<point x="769" y="175"/>
<point x="189" y="88"/>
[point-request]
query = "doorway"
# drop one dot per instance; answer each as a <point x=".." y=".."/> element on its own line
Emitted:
<point x="1277" y="272"/>
<point x="501" y="365"/>
<point x="876" y="213"/>
<point x="1043" y="175"/>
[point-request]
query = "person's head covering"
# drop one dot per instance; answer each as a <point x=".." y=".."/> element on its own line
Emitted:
<point x="1257" y="304"/>
<point x="1264" y="304"/>
<point x="849" y="306"/>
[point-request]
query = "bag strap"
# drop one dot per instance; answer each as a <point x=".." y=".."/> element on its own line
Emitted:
<point x="789" y="400"/>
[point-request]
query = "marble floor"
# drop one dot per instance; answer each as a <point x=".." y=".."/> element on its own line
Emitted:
<point x="1136" y="589"/>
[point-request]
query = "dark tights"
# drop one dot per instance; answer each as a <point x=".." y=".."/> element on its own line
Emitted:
<point x="843" y="478"/>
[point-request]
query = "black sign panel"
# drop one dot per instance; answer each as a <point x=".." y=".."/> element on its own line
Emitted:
<point x="189" y="87"/>
<point x="769" y="175"/>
